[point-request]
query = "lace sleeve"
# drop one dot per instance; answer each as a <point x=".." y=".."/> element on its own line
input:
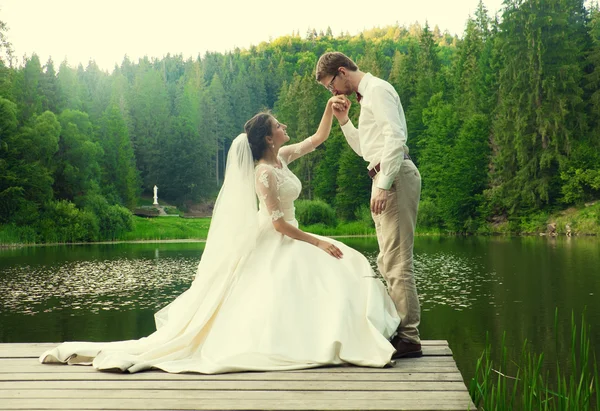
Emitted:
<point x="267" y="191"/>
<point x="295" y="151"/>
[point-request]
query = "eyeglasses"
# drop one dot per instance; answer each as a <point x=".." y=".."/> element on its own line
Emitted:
<point x="330" y="85"/>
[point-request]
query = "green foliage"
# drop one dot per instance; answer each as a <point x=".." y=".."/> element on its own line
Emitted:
<point x="150" y="125"/>
<point x="353" y="184"/>
<point x="27" y="89"/>
<point x="14" y="234"/>
<point x="167" y="228"/>
<point x="62" y="222"/>
<point x="520" y="384"/>
<point x="113" y="220"/>
<point x="310" y="212"/>
<point x="77" y="160"/>
<point x="25" y="164"/>
<point x="426" y="84"/>
<point x="584" y="220"/>
<point x="428" y="215"/>
<point x="325" y="180"/>
<point x="533" y="223"/>
<point x="467" y="176"/>
<point x="580" y="185"/>
<point x="171" y="210"/>
<point x="342" y="229"/>
<point x="363" y="215"/>
<point x="503" y="122"/>
<point x="541" y="111"/>
<point x="120" y="180"/>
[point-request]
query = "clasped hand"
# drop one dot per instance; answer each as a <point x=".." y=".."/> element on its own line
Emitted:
<point x="341" y="106"/>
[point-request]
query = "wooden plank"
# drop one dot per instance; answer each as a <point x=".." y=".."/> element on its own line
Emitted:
<point x="427" y="361"/>
<point x="432" y="382"/>
<point x="47" y="345"/>
<point x="233" y="395"/>
<point x="7" y="387"/>
<point x="228" y="404"/>
<point x="61" y="368"/>
<point x="266" y="376"/>
<point x="34" y="350"/>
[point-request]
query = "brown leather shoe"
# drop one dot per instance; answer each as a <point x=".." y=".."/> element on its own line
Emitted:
<point x="405" y="349"/>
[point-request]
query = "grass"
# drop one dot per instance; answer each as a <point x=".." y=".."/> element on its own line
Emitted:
<point x="172" y="210"/>
<point x="12" y="234"/>
<point x="582" y="220"/>
<point x="167" y="228"/>
<point x="523" y="385"/>
<point x="359" y="228"/>
<point x="346" y="228"/>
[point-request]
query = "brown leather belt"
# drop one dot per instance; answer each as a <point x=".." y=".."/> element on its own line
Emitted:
<point x="373" y="172"/>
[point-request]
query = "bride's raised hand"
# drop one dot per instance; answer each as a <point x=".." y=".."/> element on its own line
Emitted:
<point x="341" y="106"/>
<point x="330" y="249"/>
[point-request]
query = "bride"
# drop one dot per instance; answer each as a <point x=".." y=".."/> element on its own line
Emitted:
<point x="267" y="296"/>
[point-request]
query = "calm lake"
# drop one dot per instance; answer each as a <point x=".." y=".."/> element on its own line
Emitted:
<point x="469" y="287"/>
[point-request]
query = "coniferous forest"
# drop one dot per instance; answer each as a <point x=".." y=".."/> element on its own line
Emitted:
<point x="503" y="121"/>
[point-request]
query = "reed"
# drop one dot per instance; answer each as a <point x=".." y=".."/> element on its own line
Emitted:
<point x="525" y="384"/>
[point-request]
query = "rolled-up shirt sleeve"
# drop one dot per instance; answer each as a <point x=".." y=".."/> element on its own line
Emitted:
<point x="351" y="134"/>
<point x="386" y="110"/>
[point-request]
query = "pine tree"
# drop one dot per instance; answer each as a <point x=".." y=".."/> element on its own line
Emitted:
<point x="120" y="179"/>
<point x="581" y="177"/>
<point x="49" y="87"/>
<point x="150" y="129"/>
<point x="403" y="75"/>
<point x="426" y="85"/>
<point x="77" y="159"/>
<point x="441" y="125"/>
<point x="68" y="88"/>
<point x="540" y="114"/>
<point x="217" y="124"/>
<point x="353" y="184"/>
<point x="28" y="89"/>
<point x="326" y="172"/>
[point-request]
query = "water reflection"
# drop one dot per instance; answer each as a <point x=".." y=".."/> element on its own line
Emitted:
<point x="444" y="278"/>
<point x="469" y="287"/>
<point x="151" y="278"/>
<point x="84" y="287"/>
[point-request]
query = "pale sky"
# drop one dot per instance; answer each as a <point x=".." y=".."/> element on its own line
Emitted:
<point x="106" y="31"/>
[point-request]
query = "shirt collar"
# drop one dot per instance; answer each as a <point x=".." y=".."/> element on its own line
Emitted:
<point x="364" y="83"/>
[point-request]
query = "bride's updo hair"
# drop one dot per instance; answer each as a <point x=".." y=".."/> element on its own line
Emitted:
<point x="257" y="129"/>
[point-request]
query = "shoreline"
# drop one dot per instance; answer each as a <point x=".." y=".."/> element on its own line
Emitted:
<point x="173" y="240"/>
<point x="199" y="240"/>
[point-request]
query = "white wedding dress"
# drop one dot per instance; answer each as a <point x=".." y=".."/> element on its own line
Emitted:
<point x="284" y="305"/>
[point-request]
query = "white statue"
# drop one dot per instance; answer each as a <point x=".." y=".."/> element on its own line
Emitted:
<point x="155" y="195"/>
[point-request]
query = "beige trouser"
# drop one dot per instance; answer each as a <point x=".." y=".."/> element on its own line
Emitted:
<point x="395" y="235"/>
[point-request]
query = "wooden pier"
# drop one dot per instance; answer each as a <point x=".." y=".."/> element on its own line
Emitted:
<point x="432" y="382"/>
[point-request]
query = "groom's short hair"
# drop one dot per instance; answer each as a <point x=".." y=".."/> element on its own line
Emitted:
<point x="329" y="63"/>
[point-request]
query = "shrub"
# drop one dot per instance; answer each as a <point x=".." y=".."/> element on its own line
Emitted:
<point x="363" y="214"/>
<point x="310" y="212"/>
<point x="13" y="234"/>
<point x="429" y="215"/>
<point x="113" y="220"/>
<point x="63" y="222"/>
<point x="171" y="210"/>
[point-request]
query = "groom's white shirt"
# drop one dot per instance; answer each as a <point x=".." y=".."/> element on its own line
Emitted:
<point x="381" y="134"/>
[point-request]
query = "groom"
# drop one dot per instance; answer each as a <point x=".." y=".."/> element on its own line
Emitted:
<point x="381" y="140"/>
